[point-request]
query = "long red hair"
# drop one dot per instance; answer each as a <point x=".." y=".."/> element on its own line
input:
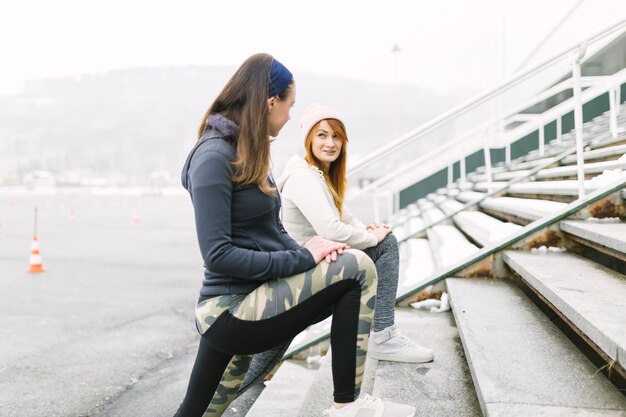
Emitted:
<point x="336" y="176"/>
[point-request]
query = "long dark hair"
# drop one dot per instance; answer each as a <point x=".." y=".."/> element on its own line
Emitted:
<point x="243" y="100"/>
<point x="336" y="176"/>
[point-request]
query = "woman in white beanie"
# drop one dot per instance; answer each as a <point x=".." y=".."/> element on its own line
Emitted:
<point x="313" y="190"/>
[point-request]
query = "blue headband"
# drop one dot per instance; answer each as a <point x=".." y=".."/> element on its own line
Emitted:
<point x="280" y="78"/>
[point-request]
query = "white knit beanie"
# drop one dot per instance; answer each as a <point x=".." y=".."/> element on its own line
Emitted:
<point x="315" y="113"/>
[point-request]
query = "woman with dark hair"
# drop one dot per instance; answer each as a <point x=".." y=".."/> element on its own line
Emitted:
<point x="260" y="287"/>
<point x="313" y="190"/>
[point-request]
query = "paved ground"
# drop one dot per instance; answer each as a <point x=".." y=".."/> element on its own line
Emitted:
<point x="115" y="306"/>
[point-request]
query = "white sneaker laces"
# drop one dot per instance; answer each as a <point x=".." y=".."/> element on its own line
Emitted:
<point x="368" y="399"/>
<point x="402" y="340"/>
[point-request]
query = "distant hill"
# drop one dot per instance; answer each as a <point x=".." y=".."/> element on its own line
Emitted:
<point x="134" y="122"/>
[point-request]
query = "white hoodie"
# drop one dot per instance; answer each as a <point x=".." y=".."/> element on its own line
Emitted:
<point x="309" y="209"/>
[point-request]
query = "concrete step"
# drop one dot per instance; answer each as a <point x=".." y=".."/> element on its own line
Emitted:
<point x="319" y="396"/>
<point x="564" y="189"/>
<point x="416" y="263"/>
<point x="521" y="363"/>
<point x="600" y="140"/>
<point x="608" y="152"/>
<point x="437" y="389"/>
<point x="590" y="155"/>
<point x="482" y="228"/>
<point x="518" y="210"/>
<point x="440" y="388"/>
<point x="431" y="215"/>
<point x="494" y="169"/>
<point x="529" y="164"/>
<point x="590" y="296"/>
<point x="285" y="392"/>
<point x="609" y="238"/>
<point x="589" y="168"/>
<point x="449" y="245"/>
<point x="484" y="186"/>
<point x="549" y="152"/>
<point x="561" y="171"/>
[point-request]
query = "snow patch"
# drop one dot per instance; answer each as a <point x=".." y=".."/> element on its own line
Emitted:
<point x="607" y="177"/>
<point x="546" y="249"/>
<point x="434" y="306"/>
<point x="602" y="220"/>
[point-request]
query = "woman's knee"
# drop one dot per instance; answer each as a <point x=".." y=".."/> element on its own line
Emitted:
<point x="390" y="241"/>
<point x="366" y="269"/>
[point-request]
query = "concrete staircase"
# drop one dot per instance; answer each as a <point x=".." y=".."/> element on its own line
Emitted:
<point x="440" y="388"/>
<point x="537" y="328"/>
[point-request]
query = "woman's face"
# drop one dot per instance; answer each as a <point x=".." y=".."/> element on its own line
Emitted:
<point x="279" y="111"/>
<point x="326" y="145"/>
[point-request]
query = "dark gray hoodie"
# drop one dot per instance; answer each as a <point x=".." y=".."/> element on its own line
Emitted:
<point x="242" y="240"/>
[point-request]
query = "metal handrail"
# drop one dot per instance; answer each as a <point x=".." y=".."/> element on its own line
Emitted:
<point x="526" y="231"/>
<point x="494" y="192"/>
<point x="521" y="131"/>
<point x="473" y="102"/>
<point x="505" y="187"/>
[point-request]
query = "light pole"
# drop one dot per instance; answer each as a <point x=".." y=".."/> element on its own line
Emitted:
<point x="396" y="99"/>
<point x="395" y="51"/>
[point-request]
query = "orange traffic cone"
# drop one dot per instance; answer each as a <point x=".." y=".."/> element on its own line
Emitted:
<point x="35" y="257"/>
<point x="71" y="216"/>
<point x="135" y="218"/>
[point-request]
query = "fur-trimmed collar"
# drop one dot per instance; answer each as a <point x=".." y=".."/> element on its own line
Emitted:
<point x="226" y="127"/>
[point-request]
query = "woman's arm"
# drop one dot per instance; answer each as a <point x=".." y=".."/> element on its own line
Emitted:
<point x="351" y="219"/>
<point x="211" y="190"/>
<point x="309" y="194"/>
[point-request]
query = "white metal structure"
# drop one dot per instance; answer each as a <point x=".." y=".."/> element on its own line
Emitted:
<point x="528" y="101"/>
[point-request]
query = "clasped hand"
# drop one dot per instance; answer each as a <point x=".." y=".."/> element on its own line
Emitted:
<point x="322" y="248"/>
<point x="379" y="230"/>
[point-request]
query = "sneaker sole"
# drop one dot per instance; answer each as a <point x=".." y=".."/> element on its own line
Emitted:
<point x="393" y="358"/>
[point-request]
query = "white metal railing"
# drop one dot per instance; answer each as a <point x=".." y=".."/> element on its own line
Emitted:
<point x="474" y="138"/>
<point x="538" y="122"/>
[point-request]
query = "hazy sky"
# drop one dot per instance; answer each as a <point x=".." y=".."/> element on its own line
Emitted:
<point x="443" y="44"/>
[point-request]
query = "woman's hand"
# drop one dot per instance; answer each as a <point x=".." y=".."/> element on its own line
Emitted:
<point x="322" y="248"/>
<point x="379" y="230"/>
<point x="375" y="225"/>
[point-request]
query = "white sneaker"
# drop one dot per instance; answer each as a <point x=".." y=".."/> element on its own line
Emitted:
<point x="368" y="406"/>
<point x="391" y="345"/>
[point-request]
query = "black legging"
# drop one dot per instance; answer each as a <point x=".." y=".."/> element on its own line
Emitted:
<point x="234" y="328"/>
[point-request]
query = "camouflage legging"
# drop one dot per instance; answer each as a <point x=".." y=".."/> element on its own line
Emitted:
<point x="234" y="327"/>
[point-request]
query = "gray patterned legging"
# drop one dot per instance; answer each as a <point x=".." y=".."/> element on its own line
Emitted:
<point x="234" y="327"/>
<point x="387" y="260"/>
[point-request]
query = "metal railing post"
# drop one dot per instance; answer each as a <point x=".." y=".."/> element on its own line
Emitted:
<point x="577" y="57"/>
<point x="396" y="202"/>
<point x="542" y="145"/>
<point x="559" y="129"/>
<point x="507" y="153"/>
<point x="487" y="154"/>
<point x="463" y="170"/>
<point x="613" y="113"/>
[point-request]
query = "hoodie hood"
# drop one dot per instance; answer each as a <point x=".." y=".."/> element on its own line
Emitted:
<point x="296" y="163"/>
<point x="217" y="126"/>
<point x="225" y="126"/>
